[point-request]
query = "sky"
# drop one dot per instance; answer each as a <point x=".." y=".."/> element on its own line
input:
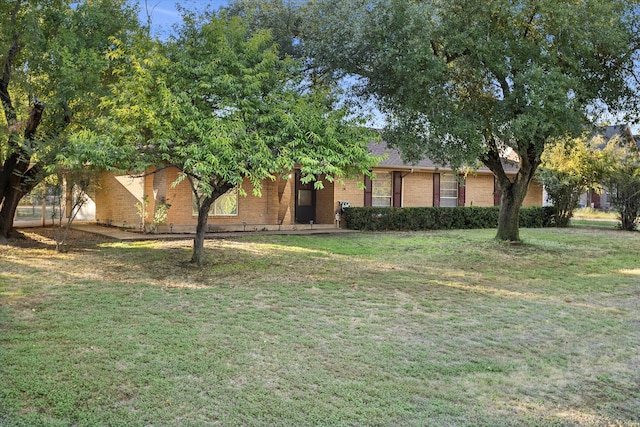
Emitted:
<point x="164" y="12"/>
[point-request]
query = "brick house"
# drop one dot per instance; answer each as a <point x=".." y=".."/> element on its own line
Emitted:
<point x="288" y="203"/>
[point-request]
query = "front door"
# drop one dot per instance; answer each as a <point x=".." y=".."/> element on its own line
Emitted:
<point x="305" y="201"/>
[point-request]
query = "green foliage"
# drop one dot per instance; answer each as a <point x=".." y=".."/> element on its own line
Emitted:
<point x="435" y="218"/>
<point x="72" y="189"/>
<point x="570" y="166"/>
<point x="461" y="81"/>
<point x="622" y="178"/>
<point x="54" y="69"/>
<point x="222" y="106"/>
<point x="283" y="18"/>
<point x="158" y="217"/>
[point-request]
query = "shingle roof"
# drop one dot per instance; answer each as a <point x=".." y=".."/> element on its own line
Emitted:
<point x="609" y="132"/>
<point x="394" y="160"/>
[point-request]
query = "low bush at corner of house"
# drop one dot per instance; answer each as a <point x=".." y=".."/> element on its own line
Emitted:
<point x="434" y="218"/>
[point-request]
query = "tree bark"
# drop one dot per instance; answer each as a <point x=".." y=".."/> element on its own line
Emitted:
<point x="205" y="203"/>
<point x="8" y="211"/>
<point x="513" y="195"/>
<point x="509" y="216"/>
<point x="198" y="243"/>
<point x="17" y="176"/>
<point x="16" y="190"/>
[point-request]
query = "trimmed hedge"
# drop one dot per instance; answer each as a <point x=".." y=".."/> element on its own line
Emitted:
<point x="377" y="219"/>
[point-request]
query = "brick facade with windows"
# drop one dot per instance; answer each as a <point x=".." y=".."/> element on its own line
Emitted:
<point x="404" y="185"/>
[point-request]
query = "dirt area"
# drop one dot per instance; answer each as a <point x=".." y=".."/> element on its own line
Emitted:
<point x="44" y="237"/>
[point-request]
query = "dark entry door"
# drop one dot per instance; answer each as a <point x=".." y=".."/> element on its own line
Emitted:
<point x="305" y="201"/>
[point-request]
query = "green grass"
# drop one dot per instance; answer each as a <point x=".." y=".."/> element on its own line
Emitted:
<point x="590" y="213"/>
<point x="595" y="223"/>
<point x="595" y="218"/>
<point x="416" y="328"/>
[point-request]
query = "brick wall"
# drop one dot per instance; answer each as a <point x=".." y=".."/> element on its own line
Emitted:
<point x="479" y="190"/>
<point x="534" y="195"/>
<point x="326" y="204"/>
<point x="417" y="189"/>
<point x="251" y="209"/>
<point x="116" y="200"/>
<point x="349" y="191"/>
<point x="286" y="199"/>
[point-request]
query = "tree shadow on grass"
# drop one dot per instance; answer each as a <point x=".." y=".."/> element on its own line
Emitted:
<point x="44" y="238"/>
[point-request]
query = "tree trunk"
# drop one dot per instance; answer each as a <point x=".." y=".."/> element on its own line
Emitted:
<point x="16" y="177"/>
<point x="8" y="211"/>
<point x="219" y="188"/>
<point x="510" y="203"/>
<point x="629" y="207"/>
<point x="20" y="184"/>
<point x="198" y="243"/>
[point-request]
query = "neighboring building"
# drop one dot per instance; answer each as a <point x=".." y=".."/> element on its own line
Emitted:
<point x="602" y="199"/>
<point x="287" y="203"/>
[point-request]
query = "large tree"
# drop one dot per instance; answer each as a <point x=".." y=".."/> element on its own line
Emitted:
<point x="466" y="81"/>
<point x="222" y="106"/>
<point x="53" y="69"/>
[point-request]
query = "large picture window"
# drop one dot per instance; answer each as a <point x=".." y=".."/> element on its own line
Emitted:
<point x="382" y="189"/>
<point x="225" y="205"/>
<point x="448" y="191"/>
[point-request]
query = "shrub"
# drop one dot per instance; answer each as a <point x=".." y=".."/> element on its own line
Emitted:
<point x="434" y="218"/>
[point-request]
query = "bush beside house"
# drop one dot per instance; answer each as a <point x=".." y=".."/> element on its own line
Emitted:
<point x="435" y="218"/>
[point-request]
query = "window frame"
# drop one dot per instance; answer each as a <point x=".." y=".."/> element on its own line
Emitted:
<point x="388" y="198"/>
<point x="213" y="210"/>
<point x="449" y="184"/>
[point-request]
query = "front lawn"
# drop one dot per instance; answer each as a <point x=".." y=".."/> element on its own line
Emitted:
<point x="415" y="328"/>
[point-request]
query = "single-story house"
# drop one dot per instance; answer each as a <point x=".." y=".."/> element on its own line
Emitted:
<point x="288" y="203"/>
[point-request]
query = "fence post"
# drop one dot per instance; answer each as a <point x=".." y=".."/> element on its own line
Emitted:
<point x="44" y="204"/>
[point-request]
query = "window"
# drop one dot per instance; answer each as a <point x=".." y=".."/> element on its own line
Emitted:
<point x="305" y="194"/>
<point x="225" y="205"/>
<point x="382" y="190"/>
<point x="448" y="190"/>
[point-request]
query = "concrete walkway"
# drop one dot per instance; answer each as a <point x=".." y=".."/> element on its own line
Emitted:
<point x="118" y="234"/>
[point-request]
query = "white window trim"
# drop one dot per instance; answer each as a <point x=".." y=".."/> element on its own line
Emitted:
<point x="388" y="199"/>
<point x="446" y="179"/>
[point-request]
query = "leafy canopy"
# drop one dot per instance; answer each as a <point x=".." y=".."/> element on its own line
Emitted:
<point x="466" y="81"/>
<point x="571" y="166"/>
<point x="222" y="106"/>
<point x="53" y="69"/>
<point x="462" y="80"/>
<point x="59" y="59"/>
<point x="621" y="158"/>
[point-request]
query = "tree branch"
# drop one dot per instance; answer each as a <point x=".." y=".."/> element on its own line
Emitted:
<point x="530" y="21"/>
<point x="167" y="166"/>
<point x="493" y="161"/>
<point x="14" y="49"/>
<point x="35" y="117"/>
